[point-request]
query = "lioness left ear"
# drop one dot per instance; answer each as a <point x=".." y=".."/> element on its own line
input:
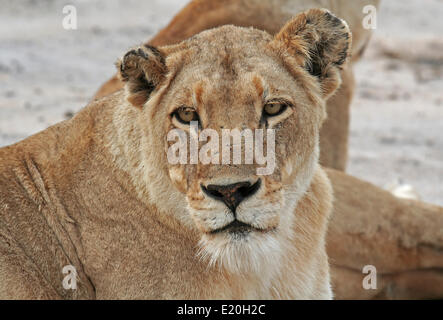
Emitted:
<point x="142" y="69"/>
<point x="320" y="42"/>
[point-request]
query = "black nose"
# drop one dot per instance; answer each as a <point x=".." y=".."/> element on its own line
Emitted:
<point x="232" y="194"/>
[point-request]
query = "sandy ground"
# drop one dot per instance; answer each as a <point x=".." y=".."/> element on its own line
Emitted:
<point x="47" y="73"/>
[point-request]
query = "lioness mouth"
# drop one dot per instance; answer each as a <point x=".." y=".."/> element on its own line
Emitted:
<point x="236" y="227"/>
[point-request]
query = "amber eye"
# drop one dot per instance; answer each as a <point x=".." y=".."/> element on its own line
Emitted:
<point x="185" y="115"/>
<point x="274" y="109"/>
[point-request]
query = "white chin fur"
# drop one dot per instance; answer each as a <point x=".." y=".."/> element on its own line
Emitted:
<point x="239" y="255"/>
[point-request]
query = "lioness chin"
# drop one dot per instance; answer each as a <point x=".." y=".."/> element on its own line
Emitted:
<point x="98" y="192"/>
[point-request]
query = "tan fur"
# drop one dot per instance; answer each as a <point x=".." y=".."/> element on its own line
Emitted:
<point x="270" y="15"/>
<point x="98" y="192"/>
<point x="402" y="238"/>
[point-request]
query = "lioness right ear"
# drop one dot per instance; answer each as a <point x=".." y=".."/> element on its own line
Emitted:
<point x="319" y="42"/>
<point x="142" y="69"/>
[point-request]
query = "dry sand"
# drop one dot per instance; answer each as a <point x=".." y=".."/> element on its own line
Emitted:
<point x="48" y="73"/>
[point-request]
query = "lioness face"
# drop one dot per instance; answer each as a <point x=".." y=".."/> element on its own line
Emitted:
<point x="234" y="78"/>
<point x="242" y="86"/>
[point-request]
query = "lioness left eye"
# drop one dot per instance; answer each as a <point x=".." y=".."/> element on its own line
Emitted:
<point x="274" y="109"/>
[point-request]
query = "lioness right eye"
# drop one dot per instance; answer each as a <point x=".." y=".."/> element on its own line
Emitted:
<point x="274" y="109"/>
<point x="185" y="115"/>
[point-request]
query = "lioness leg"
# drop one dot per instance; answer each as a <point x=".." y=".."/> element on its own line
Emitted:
<point x="402" y="239"/>
<point x="335" y="130"/>
<point x="19" y="277"/>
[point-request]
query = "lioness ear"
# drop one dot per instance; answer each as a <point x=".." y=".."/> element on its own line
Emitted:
<point x="142" y="69"/>
<point x="320" y="42"/>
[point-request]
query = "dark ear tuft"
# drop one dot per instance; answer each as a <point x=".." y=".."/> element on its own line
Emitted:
<point x="320" y="42"/>
<point x="333" y="44"/>
<point x="142" y="69"/>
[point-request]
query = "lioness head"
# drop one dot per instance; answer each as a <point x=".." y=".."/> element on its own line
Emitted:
<point x="244" y="79"/>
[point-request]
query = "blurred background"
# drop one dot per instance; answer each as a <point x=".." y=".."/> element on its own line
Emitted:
<point x="48" y="73"/>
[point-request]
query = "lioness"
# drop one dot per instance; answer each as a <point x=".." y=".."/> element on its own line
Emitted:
<point x="97" y="191"/>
